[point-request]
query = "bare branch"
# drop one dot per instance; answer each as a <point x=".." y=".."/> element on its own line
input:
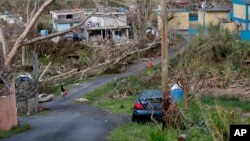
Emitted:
<point x="121" y="3"/>
<point x="21" y="38"/>
<point x="27" y="12"/>
<point x="34" y="10"/>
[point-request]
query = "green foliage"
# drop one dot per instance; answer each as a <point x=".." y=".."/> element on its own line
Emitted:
<point x="157" y="135"/>
<point x="179" y="36"/>
<point x="209" y="55"/>
<point x="128" y="132"/>
<point x="207" y="117"/>
<point x="139" y="132"/>
<point x="14" y="130"/>
<point x="85" y="57"/>
<point x="124" y="90"/>
<point x="100" y="92"/>
<point x="194" y="113"/>
<point x="209" y="122"/>
<point x="199" y="134"/>
<point x="218" y="123"/>
<point x="228" y="102"/>
<point x="124" y="106"/>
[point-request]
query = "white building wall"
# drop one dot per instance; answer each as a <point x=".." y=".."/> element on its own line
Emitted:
<point x="108" y="20"/>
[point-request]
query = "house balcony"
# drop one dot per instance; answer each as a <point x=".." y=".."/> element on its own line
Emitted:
<point x="67" y="20"/>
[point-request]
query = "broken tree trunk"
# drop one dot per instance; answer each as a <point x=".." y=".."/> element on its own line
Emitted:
<point x="40" y="78"/>
<point x="3" y="43"/>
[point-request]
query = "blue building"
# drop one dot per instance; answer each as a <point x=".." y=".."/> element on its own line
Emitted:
<point x="65" y="19"/>
<point x="240" y="15"/>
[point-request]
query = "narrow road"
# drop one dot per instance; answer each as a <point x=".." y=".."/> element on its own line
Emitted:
<point x="79" y="122"/>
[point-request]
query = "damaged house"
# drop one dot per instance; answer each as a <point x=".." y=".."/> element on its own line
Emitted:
<point x="103" y="25"/>
<point x="65" y="19"/>
<point x="107" y="24"/>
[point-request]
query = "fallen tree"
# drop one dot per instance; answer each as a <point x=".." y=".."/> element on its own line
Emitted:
<point x="108" y="58"/>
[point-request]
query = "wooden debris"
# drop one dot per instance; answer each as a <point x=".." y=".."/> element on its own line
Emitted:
<point x="82" y="100"/>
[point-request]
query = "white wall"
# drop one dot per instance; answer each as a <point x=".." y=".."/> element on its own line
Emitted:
<point x="108" y="20"/>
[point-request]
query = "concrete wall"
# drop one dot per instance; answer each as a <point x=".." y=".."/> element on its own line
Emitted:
<point x="180" y="21"/>
<point x="230" y="26"/>
<point x="8" y="117"/>
<point x="211" y="17"/>
<point x="28" y="106"/>
<point x="26" y="97"/>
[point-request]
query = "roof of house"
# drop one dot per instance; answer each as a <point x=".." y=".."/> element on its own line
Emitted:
<point x="103" y="12"/>
<point x="66" y="11"/>
<point x="176" y="10"/>
<point x="216" y="9"/>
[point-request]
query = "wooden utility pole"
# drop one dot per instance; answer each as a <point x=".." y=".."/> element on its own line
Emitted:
<point x="164" y="61"/>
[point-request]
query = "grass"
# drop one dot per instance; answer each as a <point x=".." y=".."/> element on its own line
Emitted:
<point x="14" y="130"/>
<point x="102" y="97"/>
<point x="124" y="106"/>
<point x="44" y="112"/>
<point x="215" y="112"/>
<point x="219" y="118"/>
<point x="225" y="101"/>
<point x="100" y="92"/>
<point x="207" y="117"/>
<point x="143" y="132"/>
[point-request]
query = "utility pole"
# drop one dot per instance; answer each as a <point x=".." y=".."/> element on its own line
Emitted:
<point x="164" y="61"/>
<point x="203" y="6"/>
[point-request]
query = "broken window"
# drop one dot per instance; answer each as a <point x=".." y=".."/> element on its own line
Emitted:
<point x="70" y="16"/>
<point x="61" y="16"/>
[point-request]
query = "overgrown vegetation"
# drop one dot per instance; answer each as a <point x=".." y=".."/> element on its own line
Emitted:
<point x="201" y="118"/>
<point x="215" y="60"/>
<point x="225" y="101"/>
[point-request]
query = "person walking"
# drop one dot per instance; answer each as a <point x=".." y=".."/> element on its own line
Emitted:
<point x="63" y="92"/>
<point x="150" y="66"/>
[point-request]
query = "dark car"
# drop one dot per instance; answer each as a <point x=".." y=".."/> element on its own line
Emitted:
<point x="73" y="36"/>
<point x="147" y="105"/>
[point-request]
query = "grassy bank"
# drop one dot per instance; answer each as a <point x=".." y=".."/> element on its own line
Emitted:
<point x="14" y="130"/>
<point x="206" y="116"/>
<point x="207" y="62"/>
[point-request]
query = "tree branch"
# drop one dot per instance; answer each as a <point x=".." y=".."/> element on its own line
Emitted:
<point x="26" y="42"/>
<point x="18" y="43"/>
<point x="21" y="40"/>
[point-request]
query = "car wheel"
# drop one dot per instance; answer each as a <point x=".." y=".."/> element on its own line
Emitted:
<point x="134" y="118"/>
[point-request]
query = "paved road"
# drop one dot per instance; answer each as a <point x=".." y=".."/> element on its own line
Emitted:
<point x="79" y="122"/>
